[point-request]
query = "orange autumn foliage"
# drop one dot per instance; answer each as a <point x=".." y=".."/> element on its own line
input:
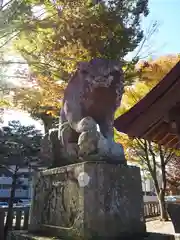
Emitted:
<point x="44" y="97"/>
<point x="150" y="73"/>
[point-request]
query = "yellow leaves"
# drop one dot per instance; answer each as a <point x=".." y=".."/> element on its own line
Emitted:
<point x="50" y="89"/>
<point x="128" y="145"/>
<point x="150" y="74"/>
<point x="132" y="95"/>
<point x="52" y="113"/>
<point x="44" y="98"/>
<point x="4" y="103"/>
<point x="76" y="52"/>
<point x="153" y="71"/>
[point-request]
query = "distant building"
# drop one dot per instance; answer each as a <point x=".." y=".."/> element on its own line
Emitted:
<point x="147" y="182"/>
<point x="23" y="185"/>
<point x="147" y="186"/>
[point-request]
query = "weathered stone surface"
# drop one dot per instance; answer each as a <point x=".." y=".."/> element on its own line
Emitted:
<point x="174" y="213"/>
<point x="24" y="235"/>
<point x="91" y="97"/>
<point x="1" y="224"/>
<point x="109" y="205"/>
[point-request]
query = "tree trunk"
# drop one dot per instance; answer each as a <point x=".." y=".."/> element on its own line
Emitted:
<point x="9" y="219"/>
<point x="162" y="205"/>
<point x="48" y="123"/>
<point x="161" y="198"/>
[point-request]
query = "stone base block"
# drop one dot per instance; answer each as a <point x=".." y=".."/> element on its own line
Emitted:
<point x="174" y="213"/>
<point x="24" y="235"/>
<point x="89" y="199"/>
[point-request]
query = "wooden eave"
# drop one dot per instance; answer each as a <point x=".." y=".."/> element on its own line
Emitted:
<point x="148" y="118"/>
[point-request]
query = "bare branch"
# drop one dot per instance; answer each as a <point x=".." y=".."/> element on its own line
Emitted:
<point x="140" y="143"/>
<point x="7" y="167"/>
<point x="8" y="40"/>
<point x="153" y="155"/>
<point x="169" y="157"/>
<point x="5" y="5"/>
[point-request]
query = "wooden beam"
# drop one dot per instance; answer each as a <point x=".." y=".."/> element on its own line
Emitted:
<point x="176" y="145"/>
<point x="157" y="132"/>
<point x="160" y="135"/>
<point x="173" y="144"/>
<point x="172" y="141"/>
<point x="124" y="122"/>
<point x="152" y="130"/>
<point x="155" y="111"/>
<point x="167" y="138"/>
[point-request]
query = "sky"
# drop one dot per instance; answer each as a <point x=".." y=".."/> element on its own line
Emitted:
<point x="164" y="41"/>
<point x="24" y="118"/>
<point x="166" y="13"/>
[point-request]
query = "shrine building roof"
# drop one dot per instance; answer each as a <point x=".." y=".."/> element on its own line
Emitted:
<point x="149" y="118"/>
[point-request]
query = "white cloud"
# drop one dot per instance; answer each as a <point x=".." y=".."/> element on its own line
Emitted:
<point x="24" y="118"/>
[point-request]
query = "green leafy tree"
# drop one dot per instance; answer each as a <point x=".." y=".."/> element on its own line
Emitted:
<point x="42" y="100"/>
<point x="5" y="87"/>
<point x="19" y="146"/>
<point x="52" y="35"/>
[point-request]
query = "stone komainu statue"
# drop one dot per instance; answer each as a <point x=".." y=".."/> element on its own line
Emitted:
<point x="90" y="99"/>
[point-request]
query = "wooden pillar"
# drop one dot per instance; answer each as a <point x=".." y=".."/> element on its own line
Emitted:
<point x="174" y="119"/>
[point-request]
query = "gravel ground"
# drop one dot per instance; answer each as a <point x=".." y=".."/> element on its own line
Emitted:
<point x="160" y="227"/>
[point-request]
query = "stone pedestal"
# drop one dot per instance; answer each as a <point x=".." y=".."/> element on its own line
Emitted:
<point x="174" y="213"/>
<point x="24" y="235"/>
<point x="106" y="201"/>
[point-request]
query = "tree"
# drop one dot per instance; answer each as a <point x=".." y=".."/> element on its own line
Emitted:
<point x="42" y="100"/>
<point x="152" y="157"/>
<point x="152" y="71"/>
<point x="5" y="88"/>
<point x="52" y="35"/>
<point x="173" y="175"/>
<point x="19" y="146"/>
